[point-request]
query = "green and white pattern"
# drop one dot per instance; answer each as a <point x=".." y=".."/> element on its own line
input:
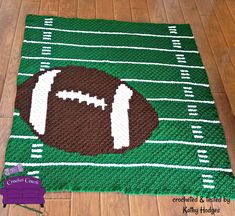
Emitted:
<point x="186" y="154"/>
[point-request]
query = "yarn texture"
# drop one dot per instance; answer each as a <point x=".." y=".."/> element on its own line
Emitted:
<point x="186" y="154"/>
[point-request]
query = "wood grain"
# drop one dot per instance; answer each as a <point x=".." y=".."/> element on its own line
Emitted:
<point x="114" y="204"/>
<point x="15" y="210"/>
<point x="139" y="10"/>
<point x="201" y="205"/>
<point x="143" y="205"/>
<point x="231" y="7"/>
<point x="68" y="8"/>
<point x="173" y="11"/>
<point x="48" y="13"/>
<point x="227" y="25"/>
<point x="8" y="96"/>
<point x="221" y="53"/>
<point x="212" y="22"/>
<point x="205" y="8"/>
<point x="56" y="207"/>
<point x="9" y="12"/>
<point x="58" y="195"/>
<point x="104" y="9"/>
<point x="157" y="12"/>
<point x="167" y="206"/>
<point x="192" y="17"/>
<point x="49" y="5"/>
<point x="86" y="9"/>
<point x="5" y="130"/>
<point x="85" y="204"/>
<point x="122" y="10"/>
<point x="4" y="211"/>
<point x="228" y="121"/>
<point x="225" y="208"/>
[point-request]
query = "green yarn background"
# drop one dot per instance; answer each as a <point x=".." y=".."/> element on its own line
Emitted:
<point x="129" y="180"/>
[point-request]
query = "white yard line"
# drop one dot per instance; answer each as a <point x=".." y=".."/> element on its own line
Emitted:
<point x="108" y="33"/>
<point x="120" y="165"/>
<point x="147" y="141"/>
<point x="112" y="62"/>
<point x="23" y="137"/>
<point x="179" y="100"/>
<point x="112" y="47"/>
<point x="185" y="143"/>
<point x="190" y="120"/>
<point x="165" y="82"/>
<point x="146" y="81"/>
<point x="25" y="74"/>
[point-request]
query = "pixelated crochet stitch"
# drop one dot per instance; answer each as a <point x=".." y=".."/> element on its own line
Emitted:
<point x="185" y="155"/>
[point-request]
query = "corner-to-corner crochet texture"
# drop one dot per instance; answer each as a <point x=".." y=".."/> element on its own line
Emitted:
<point x="171" y="140"/>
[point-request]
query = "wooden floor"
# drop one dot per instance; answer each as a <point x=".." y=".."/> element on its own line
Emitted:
<point x="213" y="24"/>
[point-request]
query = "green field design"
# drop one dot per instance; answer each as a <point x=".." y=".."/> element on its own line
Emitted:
<point x="185" y="155"/>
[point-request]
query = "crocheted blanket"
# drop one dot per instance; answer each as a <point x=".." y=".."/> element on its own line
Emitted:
<point x="117" y="106"/>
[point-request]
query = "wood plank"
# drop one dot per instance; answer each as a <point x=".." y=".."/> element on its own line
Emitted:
<point x="201" y="206"/>
<point x="173" y="11"/>
<point x="58" y="195"/>
<point x="86" y="9"/>
<point x="68" y="8"/>
<point x="157" y="11"/>
<point x="5" y="130"/>
<point x="228" y="121"/>
<point x="225" y="208"/>
<point x="226" y="21"/>
<point x="15" y="210"/>
<point x="9" y="12"/>
<point x="85" y="204"/>
<point x="48" y="13"/>
<point x="205" y="8"/>
<point x="49" y="5"/>
<point x="9" y="91"/>
<point x="4" y="211"/>
<point x="221" y="53"/>
<point x="56" y="207"/>
<point x="192" y="17"/>
<point x="227" y="25"/>
<point x="122" y="10"/>
<point x="139" y="10"/>
<point x="143" y="205"/>
<point x="114" y="204"/>
<point x="168" y="205"/>
<point x="104" y="9"/>
<point x="231" y="7"/>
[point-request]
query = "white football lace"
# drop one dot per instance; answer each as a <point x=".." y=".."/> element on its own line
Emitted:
<point x="72" y="95"/>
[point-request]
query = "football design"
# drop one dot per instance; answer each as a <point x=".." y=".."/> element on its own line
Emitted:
<point x="85" y="110"/>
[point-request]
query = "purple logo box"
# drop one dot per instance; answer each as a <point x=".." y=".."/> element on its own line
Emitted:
<point x="22" y="190"/>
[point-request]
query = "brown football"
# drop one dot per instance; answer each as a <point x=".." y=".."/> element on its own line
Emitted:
<point x="85" y="110"/>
